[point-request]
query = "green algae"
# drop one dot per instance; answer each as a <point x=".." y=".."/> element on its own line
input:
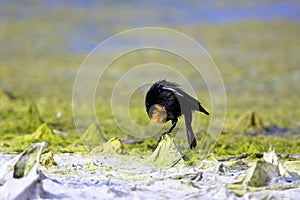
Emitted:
<point x="13" y="143"/>
<point x="47" y="160"/>
<point x="236" y="165"/>
<point x="28" y="160"/>
<point x="293" y="167"/>
<point x="91" y="165"/>
<point x="230" y="144"/>
<point x="165" y="154"/>
<point x="249" y="121"/>
<point x="93" y="137"/>
<point x="147" y="146"/>
<point x="6" y="96"/>
<point x="21" y="177"/>
<point x="32" y="119"/>
<point x="264" y="80"/>
<point x="114" y="146"/>
<point x="260" y="175"/>
<point x="44" y="133"/>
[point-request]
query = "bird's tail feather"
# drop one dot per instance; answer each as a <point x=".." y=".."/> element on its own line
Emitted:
<point x="201" y="109"/>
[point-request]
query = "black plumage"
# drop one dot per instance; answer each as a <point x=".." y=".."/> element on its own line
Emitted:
<point x="165" y="101"/>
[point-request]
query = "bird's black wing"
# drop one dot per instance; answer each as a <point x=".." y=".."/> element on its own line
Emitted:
<point x="184" y="99"/>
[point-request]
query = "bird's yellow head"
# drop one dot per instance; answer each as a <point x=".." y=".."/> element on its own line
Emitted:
<point x="158" y="114"/>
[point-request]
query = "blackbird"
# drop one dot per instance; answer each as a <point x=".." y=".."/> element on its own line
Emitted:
<point x="165" y="101"/>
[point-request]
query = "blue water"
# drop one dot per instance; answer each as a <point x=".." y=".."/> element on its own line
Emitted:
<point x="186" y="13"/>
<point x="81" y="35"/>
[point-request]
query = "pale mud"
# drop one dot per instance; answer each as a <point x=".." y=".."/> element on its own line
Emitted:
<point x="127" y="177"/>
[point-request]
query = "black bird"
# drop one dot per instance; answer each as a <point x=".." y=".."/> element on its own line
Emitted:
<point x="165" y="101"/>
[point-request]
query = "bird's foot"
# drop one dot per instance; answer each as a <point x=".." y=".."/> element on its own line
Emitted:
<point x="162" y="136"/>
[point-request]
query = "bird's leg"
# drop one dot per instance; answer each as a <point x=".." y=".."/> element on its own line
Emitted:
<point x="169" y="131"/>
